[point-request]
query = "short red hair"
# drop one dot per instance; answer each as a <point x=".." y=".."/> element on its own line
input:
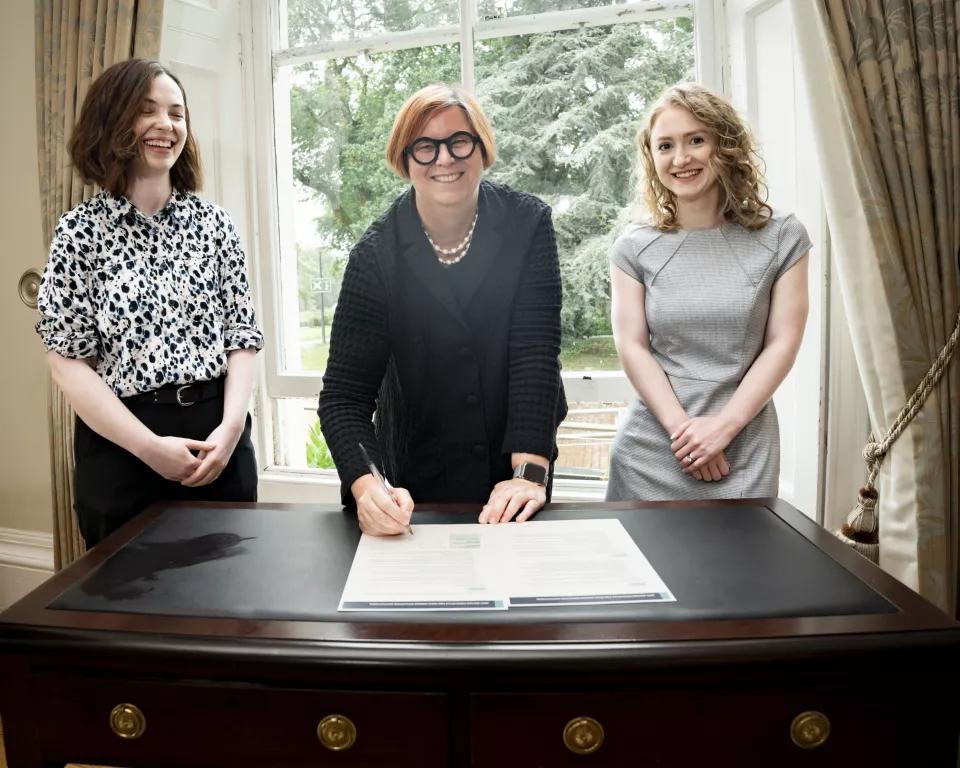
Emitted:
<point x="418" y="110"/>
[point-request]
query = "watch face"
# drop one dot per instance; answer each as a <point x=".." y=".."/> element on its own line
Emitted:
<point x="532" y="472"/>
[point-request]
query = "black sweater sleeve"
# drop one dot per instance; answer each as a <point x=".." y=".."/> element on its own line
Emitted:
<point x="359" y="351"/>
<point x="534" y="385"/>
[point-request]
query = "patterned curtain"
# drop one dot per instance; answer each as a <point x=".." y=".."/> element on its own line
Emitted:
<point x="883" y="78"/>
<point x="76" y="41"/>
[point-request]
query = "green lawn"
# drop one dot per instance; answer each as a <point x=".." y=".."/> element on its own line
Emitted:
<point x="593" y="354"/>
<point x="314" y="358"/>
<point x="597" y="354"/>
<point x="312" y="332"/>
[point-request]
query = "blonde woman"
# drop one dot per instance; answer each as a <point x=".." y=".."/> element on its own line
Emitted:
<point x="709" y="308"/>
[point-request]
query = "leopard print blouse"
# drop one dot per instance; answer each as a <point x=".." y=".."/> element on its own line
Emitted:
<point x="154" y="300"/>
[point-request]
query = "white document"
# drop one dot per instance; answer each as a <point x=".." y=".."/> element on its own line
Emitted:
<point x="495" y="567"/>
<point x="439" y="568"/>
<point x="576" y="562"/>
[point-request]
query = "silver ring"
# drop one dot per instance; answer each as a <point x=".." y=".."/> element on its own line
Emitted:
<point x="688" y="459"/>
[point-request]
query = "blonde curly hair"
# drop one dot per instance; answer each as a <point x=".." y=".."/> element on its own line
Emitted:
<point x="735" y="163"/>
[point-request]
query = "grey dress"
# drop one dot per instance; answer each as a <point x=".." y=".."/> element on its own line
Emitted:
<point x="707" y="297"/>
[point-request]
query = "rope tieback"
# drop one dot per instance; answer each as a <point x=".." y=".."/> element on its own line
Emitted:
<point x="861" y="529"/>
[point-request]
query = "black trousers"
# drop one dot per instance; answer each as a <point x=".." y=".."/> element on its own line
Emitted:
<point x="112" y="486"/>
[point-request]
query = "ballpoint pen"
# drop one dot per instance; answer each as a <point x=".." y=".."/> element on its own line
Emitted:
<point x="383" y="481"/>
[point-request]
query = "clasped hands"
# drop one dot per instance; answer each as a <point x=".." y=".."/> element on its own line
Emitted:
<point x="699" y="444"/>
<point x="387" y="514"/>
<point x="173" y="459"/>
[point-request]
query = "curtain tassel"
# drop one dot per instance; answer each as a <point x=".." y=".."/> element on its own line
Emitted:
<point x="861" y="529"/>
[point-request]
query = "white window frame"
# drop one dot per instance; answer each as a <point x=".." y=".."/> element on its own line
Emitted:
<point x="260" y="33"/>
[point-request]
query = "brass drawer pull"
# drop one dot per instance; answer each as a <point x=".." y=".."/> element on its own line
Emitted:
<point x="337" y="732"/>
<point x="583" y="735"/>
<point x="127" y="721"/>
<point x="810" y="729"/>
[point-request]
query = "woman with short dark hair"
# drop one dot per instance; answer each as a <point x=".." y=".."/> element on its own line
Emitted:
<point x="448" y="326"/>
<point x="146" y="311"/>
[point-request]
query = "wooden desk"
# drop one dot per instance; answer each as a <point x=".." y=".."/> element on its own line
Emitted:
<point x="716" y="686"/>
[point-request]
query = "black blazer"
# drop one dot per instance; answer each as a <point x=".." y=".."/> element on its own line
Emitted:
<point x="457" y="389"/>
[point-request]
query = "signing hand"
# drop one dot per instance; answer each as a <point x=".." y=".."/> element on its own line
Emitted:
<point x="510" y="497"/>
<point x="699" y="441"/>
<point x="170" y="456"/>
<point x="224" y="439"/>
<point x="379" y="512"/>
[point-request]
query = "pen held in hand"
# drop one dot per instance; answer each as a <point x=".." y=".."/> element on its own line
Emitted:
<point x="383" y="481"/>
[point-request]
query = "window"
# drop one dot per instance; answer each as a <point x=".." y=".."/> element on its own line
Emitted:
<point x="565" y="84"/>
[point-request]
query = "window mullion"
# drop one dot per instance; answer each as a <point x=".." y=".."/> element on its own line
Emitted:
<point x="708" y="35"/>
<point x="380" y="43"/>
<point x="579" y="18"/>
<point x="468" y="20"/>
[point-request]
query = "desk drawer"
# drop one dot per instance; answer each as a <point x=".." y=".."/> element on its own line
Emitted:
<point x="735" y="728"/>
<point x="224" y="725"/>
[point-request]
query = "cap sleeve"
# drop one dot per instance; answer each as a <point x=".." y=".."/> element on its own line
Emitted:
<point x="626" y="256"/>
<point x="792" y="244"/>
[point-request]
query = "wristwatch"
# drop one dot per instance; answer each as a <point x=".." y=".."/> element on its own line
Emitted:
<point x="532" y="472"/>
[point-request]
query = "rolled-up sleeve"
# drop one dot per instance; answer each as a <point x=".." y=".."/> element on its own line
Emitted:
<point x="240" y="329"/>
<point x="67" y="323"/>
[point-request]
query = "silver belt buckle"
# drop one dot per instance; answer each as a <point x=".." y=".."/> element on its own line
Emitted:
<point x="180" y="396"/>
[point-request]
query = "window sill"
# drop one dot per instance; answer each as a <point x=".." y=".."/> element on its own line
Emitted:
<point x="322" y="486"/>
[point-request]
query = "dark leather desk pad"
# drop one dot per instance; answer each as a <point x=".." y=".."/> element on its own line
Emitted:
<point x="271" y="564"/>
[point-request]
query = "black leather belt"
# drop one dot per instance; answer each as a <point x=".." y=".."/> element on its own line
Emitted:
<point x="181" y="394"/>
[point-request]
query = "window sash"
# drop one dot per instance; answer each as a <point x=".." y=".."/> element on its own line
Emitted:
<point x="481" y="29"/>
<point x="267" y="58"/>
<point x="580" y="386"/>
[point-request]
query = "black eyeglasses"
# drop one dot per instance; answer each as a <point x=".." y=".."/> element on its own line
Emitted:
<point x="425" y="151"/>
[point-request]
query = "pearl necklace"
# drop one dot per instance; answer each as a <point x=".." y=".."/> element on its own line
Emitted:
<point x="457" y="252"/>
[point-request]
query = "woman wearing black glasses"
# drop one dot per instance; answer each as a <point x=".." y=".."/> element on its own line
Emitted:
<point x="444" y="355"/>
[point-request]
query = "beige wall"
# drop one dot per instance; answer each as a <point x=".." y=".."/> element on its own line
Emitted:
<point x="25" y="500"/>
